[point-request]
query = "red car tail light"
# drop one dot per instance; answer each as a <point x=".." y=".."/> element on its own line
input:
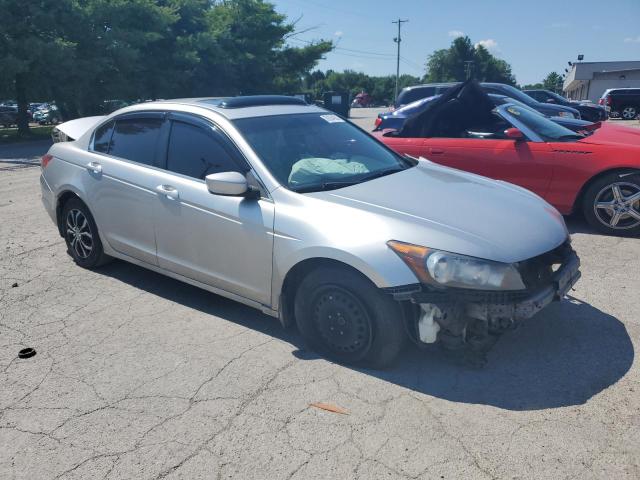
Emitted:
<point x="44" y="161"/>
<point x="378" y="122"/>
<point x="601" y="101"/>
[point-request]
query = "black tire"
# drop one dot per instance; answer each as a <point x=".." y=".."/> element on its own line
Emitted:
<point x="628" y="112"/>
<point x="81" y="235"/>
<point x="601" y="204"/>
<point x="345" y="317"/>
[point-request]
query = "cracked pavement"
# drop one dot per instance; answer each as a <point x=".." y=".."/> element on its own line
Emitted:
<point x="140" y="376"/>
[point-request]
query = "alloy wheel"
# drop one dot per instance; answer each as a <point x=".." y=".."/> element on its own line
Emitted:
<point x="342" y="322"/>
<point x="618" y="205"/>
<point x="79" y="235"/>
<point x="629" y="113"/>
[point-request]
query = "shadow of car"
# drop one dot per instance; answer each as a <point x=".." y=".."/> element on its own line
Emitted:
<point x="560" y="358"/>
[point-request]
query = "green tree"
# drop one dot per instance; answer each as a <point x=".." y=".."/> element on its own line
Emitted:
<point x="31" y="39"/>
<point x="553" y="82"/>
<point x="82" y="52"/>
<point x="462" y="60"/>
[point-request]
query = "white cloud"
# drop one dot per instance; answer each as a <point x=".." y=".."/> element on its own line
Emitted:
<point x="489" y="44"/>
<point x="456" y="33"/>
<point x="339" y="33"/>
<point x="632" y="39"/>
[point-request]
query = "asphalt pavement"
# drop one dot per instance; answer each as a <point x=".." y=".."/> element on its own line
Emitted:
<point x="140" y="376"/>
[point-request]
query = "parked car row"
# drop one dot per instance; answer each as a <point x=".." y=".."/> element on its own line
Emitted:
<point x="396" y="118"/>
<point x="293" y="210"/>
<point x="413" y="93"/>
<point x="42" y="113"/>
<point x="588" y="111"/>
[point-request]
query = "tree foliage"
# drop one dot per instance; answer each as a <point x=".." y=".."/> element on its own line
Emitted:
<point x="553" y="81"/>
<point x="463" y="60"/>
<point x="82" y="52"/>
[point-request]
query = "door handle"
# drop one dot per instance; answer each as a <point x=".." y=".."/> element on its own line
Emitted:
<point x="168" y="191"/>
<point x="437" y="151"/>
<point x="94" y="167"/>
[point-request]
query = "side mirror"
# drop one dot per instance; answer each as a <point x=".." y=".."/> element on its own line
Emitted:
<point x="227" y="183"/>
<point x="514" y="133"/>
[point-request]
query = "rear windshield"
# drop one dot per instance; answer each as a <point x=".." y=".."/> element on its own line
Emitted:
<point x="317" y="151"/>
<point x="413" y="94"/>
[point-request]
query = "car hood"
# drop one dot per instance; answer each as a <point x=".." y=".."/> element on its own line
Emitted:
<point x="611" y="134"/>
<point x="447" y="209"/>
<point x="554" y="110"/>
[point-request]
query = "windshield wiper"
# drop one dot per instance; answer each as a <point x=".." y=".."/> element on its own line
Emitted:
<point x="346" y="183"/>
<point x="379" y="173"/>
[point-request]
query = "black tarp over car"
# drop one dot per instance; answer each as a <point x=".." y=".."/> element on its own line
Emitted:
<point x="462" y="107"/>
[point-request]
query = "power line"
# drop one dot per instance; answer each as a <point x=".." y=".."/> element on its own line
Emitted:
<point x="347" y="49"/>
<point x="398" y="39"/>
<point x="410" y="62"/>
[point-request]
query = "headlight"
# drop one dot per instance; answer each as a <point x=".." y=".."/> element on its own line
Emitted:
<point x="446" y="269"/>
<point x="566" y="114"/>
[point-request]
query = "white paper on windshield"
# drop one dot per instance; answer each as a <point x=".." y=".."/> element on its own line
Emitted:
<point x="331" y="118"/>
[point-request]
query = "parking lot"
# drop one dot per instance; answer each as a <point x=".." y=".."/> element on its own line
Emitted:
<point x="140" y="376"/>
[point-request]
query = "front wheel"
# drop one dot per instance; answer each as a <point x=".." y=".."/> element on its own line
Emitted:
<point x="343" y="316"/>
<point x="612" y="204"/>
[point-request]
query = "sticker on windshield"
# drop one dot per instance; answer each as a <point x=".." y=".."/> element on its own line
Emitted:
<point x="513" y="111"/>
<point x="332" y="118"/>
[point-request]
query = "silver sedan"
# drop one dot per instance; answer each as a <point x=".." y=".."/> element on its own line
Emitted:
<point x="293" y="210"/>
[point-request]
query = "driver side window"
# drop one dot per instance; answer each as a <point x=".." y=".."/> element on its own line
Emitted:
<point x="195" y="152"/>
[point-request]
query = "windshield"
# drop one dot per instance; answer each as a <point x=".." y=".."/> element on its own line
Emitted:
<point x="545" y="128"/>
<point x="317" y="151"/>
<point x="413" y="106"/>
<point x="559" y="98"/>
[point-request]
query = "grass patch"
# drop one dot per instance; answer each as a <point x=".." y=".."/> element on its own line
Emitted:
<point x="10" y="135"/>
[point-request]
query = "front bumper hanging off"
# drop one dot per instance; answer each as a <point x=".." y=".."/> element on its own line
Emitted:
<point x="457" y="309"/>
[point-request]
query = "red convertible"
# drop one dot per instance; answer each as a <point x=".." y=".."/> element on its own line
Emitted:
<point x="595" y="171"/>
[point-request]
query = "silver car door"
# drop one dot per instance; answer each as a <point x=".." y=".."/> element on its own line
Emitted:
<point x="121" y="182"/>
<point x="223" y="241"/>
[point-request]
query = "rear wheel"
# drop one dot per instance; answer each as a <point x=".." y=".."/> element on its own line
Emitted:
<point x="343" y="316"/>
<point x="612" y="204"/>
<point x="629" y="112"/>
<point x="81" y="235"/>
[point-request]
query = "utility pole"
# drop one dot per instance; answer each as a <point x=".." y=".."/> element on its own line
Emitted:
<point x="398" y="39"/>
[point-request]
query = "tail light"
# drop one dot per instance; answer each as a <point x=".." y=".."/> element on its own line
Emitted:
<point x="601" y="101"/>
<point x="44" y="161"/>
<point x="378" y="122"/>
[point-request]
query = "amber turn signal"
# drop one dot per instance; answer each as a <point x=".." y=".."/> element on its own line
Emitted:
<point x="414" y="256"/>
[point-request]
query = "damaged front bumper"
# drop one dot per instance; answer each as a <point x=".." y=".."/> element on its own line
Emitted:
<point x="457" y="312"/>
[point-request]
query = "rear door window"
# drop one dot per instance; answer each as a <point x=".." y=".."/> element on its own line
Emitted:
<point x="102" y="138"/>
<point x="136" y="139"/>
<point x="197" y="151"/>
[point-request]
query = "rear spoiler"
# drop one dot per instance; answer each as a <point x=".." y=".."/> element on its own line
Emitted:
<point x="74" y="129"/>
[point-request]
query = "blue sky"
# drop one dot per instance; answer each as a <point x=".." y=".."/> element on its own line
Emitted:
<point x="535" y="37"/>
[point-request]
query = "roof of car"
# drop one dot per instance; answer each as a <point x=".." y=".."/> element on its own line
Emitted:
<point x="425" y="85"/>
<point x="240" y="107"/>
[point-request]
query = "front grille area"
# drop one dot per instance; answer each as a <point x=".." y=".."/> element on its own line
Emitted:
<point x="538" y="271"/>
